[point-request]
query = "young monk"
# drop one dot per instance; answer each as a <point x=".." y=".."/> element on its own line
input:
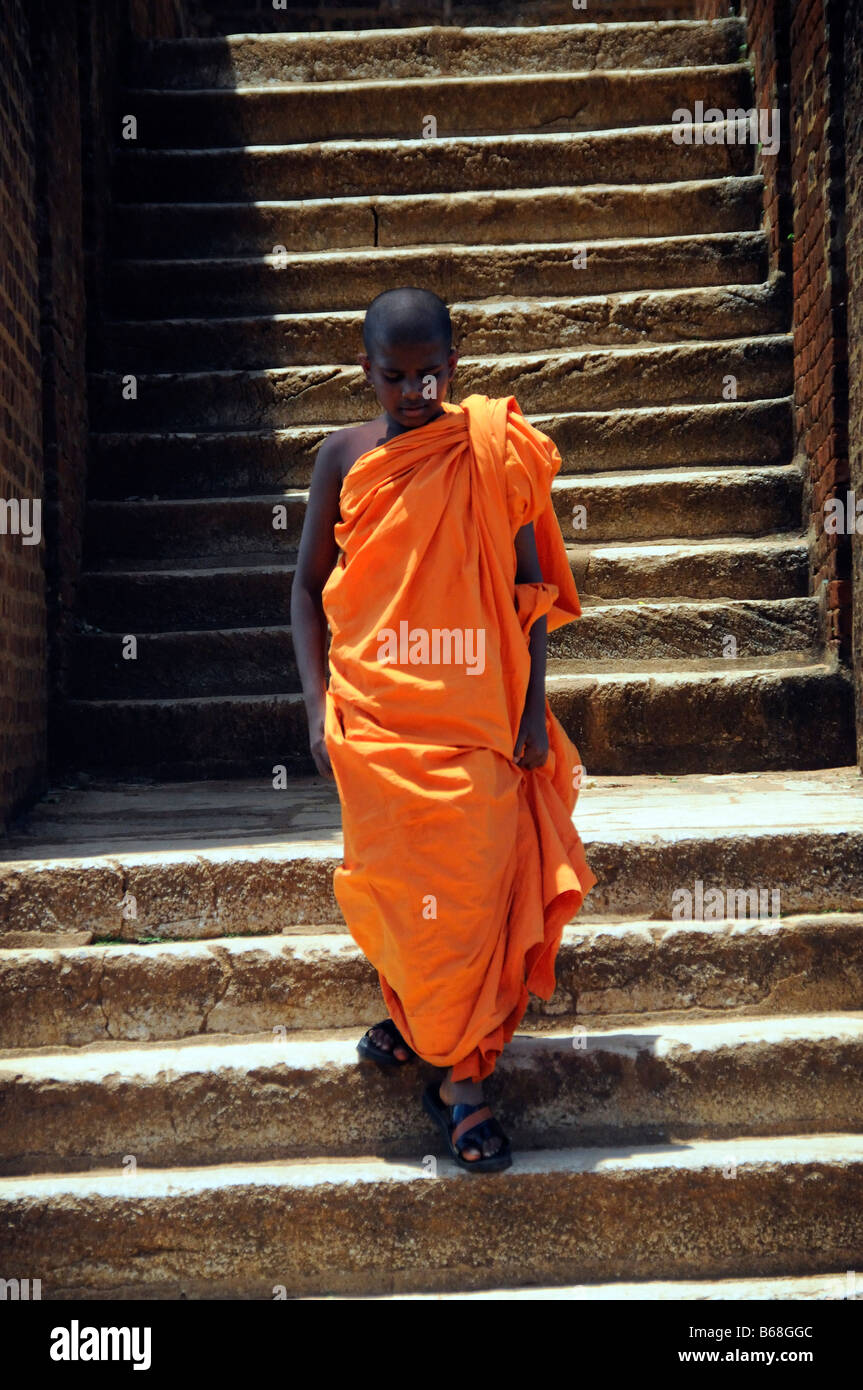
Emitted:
<point x="432" y="552"/>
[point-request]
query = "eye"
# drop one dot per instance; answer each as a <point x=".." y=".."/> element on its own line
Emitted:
<point x="391" y="376"/>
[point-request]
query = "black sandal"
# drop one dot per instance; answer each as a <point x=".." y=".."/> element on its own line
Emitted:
<point x="372" y="1053"/>
<point x="466" y="1126"/>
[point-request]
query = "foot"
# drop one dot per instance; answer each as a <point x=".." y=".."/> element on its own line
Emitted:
<point x="382" y="1038"/>
<point x="462" y="1095"/>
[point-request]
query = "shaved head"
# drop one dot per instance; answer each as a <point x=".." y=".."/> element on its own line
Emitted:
<point x="406" y="315"/>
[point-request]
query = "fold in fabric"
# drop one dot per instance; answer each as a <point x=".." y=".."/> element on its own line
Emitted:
<point x="460" y="868"/>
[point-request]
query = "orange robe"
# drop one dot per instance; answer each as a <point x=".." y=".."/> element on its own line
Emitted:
<point x="460" y="867"/>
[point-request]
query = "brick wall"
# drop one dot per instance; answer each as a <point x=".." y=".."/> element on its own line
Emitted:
<point x="853" y="117"/>
<point x="820" y="348"/>
<point x="54" y="54"/>
<point x="23" y="697"/>
<point x="59" y="70"/>
<point x="797" y="49"/>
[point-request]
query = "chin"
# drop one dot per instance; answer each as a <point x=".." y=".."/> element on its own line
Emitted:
<point x="414" y="419"/>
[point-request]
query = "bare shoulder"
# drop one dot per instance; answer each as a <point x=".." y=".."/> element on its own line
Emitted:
<point x="341" y="449"/>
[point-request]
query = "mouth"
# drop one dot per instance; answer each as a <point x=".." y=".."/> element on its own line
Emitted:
<point x="412" y="410"/>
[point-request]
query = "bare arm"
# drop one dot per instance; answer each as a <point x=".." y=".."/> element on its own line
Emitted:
<point x="532" y="737"/>
<point x="317" y="555"/>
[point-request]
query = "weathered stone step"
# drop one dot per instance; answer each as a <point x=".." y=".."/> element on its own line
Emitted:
<point x="608" y="973"/>
<point x="245" y="16"/>
<point x="216" y="858"/>
<point x="732" y="715"/>
<point x="429" y="51"/>
<point x="726" y="432"/>
<point x="639" y="155"/>
<point x="220" y="1100"/>
<point x="256" y="660"/>
<point x="595" y="378"/>
<point x="399" y="108"/>
<point x="678" y="503"/>
<point x="529" y="325"/>
<point x="694" y="207"/>
<point x="150" y="600"/>
<point x="680" y="629"/>
<point x="668" y="503"/>
<point x="254" y="592"/>
<point x="329" y="281"/>
<point x="843" y="1285"/>
<point x="253" y="660"/>
<point x="370" y="1225"/>
<point x="730" y="566"/>
<point x="222" y="464"/>
<point x="657" y="717"/>
<point x="599" y="378"/>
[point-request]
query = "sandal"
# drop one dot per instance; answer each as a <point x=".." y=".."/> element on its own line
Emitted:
<point x="372" y="1053"/>
<point x="464" y="1126"/>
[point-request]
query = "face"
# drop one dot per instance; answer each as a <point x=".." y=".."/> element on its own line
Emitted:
<point x="411" y="380"/>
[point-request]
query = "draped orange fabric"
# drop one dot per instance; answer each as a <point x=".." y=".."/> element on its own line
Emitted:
<point x="460" y="867"/>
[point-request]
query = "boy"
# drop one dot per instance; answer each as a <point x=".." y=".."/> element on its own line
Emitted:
<point x="431" y="550"/>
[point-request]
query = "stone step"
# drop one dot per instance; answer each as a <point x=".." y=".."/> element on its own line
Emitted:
<point x="742" y="715"/>
<point x="774" y="567"/>
<point x="399" y="108"/>
<point x="325" y="282"/>
<point x="733" y="716"/>
<point x="747" y="1207"/>
<point x="236" y="462"/>
<point x="258" y="16"/>
<point x="597" y="378"/>
<point x="256" y="592"/>
<point x="256" y="660"/>
<point x="679" y="503"/>
<point x="430" y="51"/>
<point x="842" y="1284"/>
<point x="481" y="330"/>
<point x="668" y="503"/>
<point x="609" y="973"/>
<point x="677" y="630"/>
<point x="220" y="1100"/>
<point x="448" y="164"/>
<point x="599" y="211"/>
<point x="186" y="861"/>
<point x="150" y="600"/>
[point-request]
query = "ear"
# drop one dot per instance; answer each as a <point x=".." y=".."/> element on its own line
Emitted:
<point x="365" y="363"/>
<point x="452" y="362"/>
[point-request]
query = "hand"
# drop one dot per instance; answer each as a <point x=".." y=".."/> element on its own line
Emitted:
<point x="318" y="747"/>
<point x="531" y="745"/>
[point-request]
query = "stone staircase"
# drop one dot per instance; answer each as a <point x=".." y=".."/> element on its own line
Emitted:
<point x="179" y="1003"/>
<point x="277" y="184"/>
<point x="184" y="1114"/>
